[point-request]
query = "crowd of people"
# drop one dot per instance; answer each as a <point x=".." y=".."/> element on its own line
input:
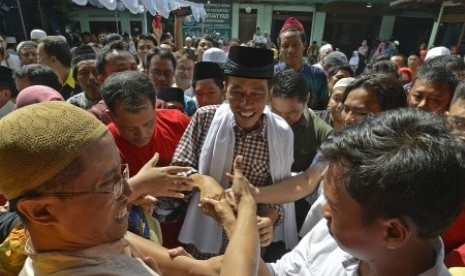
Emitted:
<point x="168" y="157"/>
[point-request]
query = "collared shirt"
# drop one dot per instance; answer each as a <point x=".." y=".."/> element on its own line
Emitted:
<point x="67" y="88"/>
<point x="319" y="254"/>
<point x="253" y="146"/>
<point x="80" y="100"/>
<point x="309" y="132"/>
<point x="317" y="84"/>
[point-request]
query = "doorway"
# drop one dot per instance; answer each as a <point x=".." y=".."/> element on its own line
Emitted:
<point x="247" y="24"/>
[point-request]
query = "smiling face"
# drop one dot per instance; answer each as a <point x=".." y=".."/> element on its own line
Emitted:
<point x="292" y="48"/>
<point x="100" y="216"/>
<point x="247" y="99"/>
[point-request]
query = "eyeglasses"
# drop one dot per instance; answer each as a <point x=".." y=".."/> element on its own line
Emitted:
<point x="117" y="190"/>
<point x="185" y="69"/>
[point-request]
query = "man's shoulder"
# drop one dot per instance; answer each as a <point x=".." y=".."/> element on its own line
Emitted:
<point x="311" y="69"/>
<point x="320" y="124"/>
<point x="172" y="116"/>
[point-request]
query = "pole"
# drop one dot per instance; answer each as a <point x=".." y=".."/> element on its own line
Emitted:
<point x="116" y="15"/>
<point x="22" y="19"/>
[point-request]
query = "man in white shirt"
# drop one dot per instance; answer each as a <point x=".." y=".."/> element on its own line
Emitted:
<point x="389" y="197"/>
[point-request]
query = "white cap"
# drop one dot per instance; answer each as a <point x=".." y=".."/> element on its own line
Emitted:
<point x="397" y="42"/>
<point x="38" y="34"/>
<point x="436" y="52"/>
<point x="344" y="82"/>
<point x="188" y="39"/>
<point x="215" y="55"/>
<point x="10" y="39"/>
<point x="217" y="34"/>
<point x="326" y="47"/>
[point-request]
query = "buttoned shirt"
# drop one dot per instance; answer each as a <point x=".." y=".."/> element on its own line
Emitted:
<point x="319" y="254"/>
<point x="253" y="146"/>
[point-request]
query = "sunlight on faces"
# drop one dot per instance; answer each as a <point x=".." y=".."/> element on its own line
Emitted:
<point x="100" y="217"/>
<point x="359" y="104"/>
<point x="290" y="109"/>
<point x="346" y="218"/>
<point x="291" y="48"/>
<point x="135" y="127"/>
<point x="247" y="99"/>
<point x="42" y="57"/>
<point x="208" y="93"/>
<point x="430" y="96"/>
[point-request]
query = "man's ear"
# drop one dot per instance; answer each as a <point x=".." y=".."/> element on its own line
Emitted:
<point x="446" y="115"/>
<point x="307" y="99"/>
<point x="38" y="210"/>
<point x="396" y="232"/>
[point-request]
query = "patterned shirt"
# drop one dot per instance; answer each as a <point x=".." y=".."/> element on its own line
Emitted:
<point x="253" y="146"/>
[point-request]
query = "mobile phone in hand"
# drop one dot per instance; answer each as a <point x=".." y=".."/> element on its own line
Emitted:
<point x="182" y="11"/>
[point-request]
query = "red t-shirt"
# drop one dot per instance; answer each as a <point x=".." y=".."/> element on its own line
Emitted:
<point x="170" y="126"/>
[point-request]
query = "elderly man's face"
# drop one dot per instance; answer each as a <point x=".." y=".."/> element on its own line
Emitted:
<point x="87" y="78"/>
<point x="247" y="99"/>
<point x="430" y="96"/>
<point x="28" y="55"/>
<point x="91" y="213"/>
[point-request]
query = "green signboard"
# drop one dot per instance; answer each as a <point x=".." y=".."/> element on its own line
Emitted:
<point x="219" y="20"/>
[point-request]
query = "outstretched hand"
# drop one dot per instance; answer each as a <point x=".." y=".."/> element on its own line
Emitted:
<point x="161" y="181"/>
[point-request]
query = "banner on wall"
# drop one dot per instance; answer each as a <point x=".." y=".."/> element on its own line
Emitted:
<point x="218" y="20"/>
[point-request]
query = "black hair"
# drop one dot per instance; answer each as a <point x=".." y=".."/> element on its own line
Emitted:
<point x="403" y="163"/>
<point x="38" y="74"/>
<point x="112" y="37"/>
<point x="57" y="47"/>
<point x="387" y="89"/>
<point x="219" y="83"/>
<point x="207" y="38"/>
<point x="290" y="84"/>
<point x="160" y="54"/>
<point x="334" y="69"/>
<point x="452" y="63"/>
<point x="117" y="46"/>
<point x="437" y="74"/>
<point x="128" y="88"/>
<point x="382" y="65"/>
<point x="147" y="37"/>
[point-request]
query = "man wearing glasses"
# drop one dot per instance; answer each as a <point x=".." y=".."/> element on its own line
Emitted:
<point x="73" y="202"/>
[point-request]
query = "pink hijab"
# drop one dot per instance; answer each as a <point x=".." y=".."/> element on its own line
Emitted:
<point x="37" y="94"/>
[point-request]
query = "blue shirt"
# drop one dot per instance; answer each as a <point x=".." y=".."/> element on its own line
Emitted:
<point x="317" y="84"/>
